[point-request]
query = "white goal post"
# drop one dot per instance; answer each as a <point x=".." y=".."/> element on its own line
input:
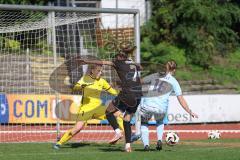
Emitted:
<point x="35" y="43"/>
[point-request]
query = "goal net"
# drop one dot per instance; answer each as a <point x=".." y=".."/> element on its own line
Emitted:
<point x="37" y="52"/>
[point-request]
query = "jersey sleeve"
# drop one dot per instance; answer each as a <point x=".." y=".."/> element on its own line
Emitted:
<point x="108" y="88"/>
<point x="177" y="89"/>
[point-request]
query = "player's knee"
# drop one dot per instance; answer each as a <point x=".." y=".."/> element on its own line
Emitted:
<point x="79" y="125"/>
<point x="110" y="109"/>
<point x="118" y="114"/>
<point x="127" y="118"/>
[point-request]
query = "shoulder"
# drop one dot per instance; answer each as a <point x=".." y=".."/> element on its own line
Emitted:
<point x="102" y="81"/>
<point x="174" y="79"/>
<point x="170" y="79"/>
<point x="86" y="79"/>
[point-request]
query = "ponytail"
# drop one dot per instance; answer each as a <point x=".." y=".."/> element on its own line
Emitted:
<point x="170" y="66"/>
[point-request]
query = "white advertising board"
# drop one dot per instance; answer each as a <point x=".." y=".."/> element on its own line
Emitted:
<point x="210" y="108"/>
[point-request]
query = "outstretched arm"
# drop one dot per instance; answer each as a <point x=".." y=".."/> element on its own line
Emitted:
<point x="107" y="87"/>
<point x="99" y="62"/>
<point x="184" y="105"/>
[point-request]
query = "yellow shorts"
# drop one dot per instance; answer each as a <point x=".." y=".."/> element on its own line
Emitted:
<point x="88" y="112"/>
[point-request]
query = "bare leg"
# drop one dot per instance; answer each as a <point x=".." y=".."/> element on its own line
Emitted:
<point x="78" y="127"/>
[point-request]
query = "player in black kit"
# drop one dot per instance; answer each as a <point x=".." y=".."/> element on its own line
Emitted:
<point x="129" y="97"/>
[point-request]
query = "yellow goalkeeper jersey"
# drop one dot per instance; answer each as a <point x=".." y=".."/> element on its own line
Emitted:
<point x="92" y="89"/>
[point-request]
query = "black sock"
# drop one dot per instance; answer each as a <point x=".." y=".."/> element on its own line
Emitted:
<point x="112" y="120"/>
<point x="128" y="131"/>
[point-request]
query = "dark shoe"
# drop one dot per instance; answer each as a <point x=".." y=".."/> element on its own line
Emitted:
<point x="135" y="137"/>
<point x="159" y="145"/>
<point x="146" y="148"/>
<point x="56" y="146"/>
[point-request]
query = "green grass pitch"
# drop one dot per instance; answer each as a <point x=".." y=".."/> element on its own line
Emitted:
<point x="228" y="149"/>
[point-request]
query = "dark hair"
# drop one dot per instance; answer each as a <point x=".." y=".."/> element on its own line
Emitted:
<point x="170" y="66"/>
<point x="121" y="55"/>
<point x="128" y="50"/>
<point x="125" y="51"/>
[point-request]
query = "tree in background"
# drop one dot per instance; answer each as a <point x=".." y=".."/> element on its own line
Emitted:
<point x="198" y="29"/>
<point x="28" y="2"/>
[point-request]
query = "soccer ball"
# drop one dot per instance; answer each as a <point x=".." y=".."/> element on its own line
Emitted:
<point x="215" y="134"/>
<point x="172" y="138"/>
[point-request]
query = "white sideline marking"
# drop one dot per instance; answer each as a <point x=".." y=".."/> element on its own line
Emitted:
<point x="111" y="131"/>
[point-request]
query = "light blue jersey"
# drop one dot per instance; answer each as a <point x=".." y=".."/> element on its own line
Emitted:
<point x="158" y="105"/>
<point x="155" y="103"/>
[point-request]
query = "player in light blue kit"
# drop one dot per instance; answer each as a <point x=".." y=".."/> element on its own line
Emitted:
<point x="155" y="103"/>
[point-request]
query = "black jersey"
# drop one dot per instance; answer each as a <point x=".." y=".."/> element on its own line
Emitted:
<point x="128" y="73"/>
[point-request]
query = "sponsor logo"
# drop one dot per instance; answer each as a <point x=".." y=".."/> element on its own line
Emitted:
<point x="4" y="110"/>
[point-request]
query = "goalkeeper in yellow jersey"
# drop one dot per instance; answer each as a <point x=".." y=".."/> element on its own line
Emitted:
<point x="91" y="106"/>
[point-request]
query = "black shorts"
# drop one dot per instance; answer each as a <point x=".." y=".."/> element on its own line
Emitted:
<point x="127" y="102"/>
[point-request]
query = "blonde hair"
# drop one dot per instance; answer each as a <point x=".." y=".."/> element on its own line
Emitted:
<point x="170" y="66"/>
<point x="92" y="67"/>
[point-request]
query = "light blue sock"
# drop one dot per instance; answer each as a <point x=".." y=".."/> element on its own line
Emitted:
<point x="145" y="134"/>
<point x="160" y="129"/>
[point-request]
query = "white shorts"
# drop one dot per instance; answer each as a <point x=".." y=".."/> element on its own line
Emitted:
<point x="147" y="112"/>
